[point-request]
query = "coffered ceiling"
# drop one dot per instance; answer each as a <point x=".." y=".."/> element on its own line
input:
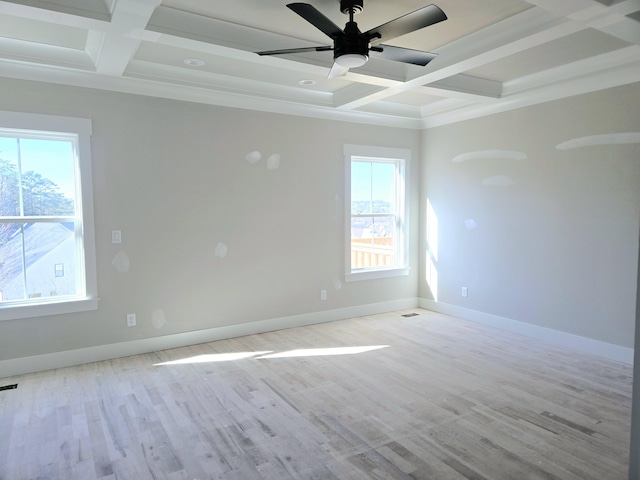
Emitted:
<point x="493" y="55"/>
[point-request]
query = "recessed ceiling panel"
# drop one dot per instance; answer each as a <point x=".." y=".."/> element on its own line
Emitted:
<point x="578" y="46"/>
<point x="414" y="98"/>
<point x="98" y="9"/>
<point x="37" y="31"/>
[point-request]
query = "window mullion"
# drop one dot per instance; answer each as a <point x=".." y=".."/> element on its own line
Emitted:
<point x="371" y="187"/>
<point x="398" y="211"/>
<point x="23" y="257"/>
<point x="20" y="193"/>
<point x="24" y="262"/>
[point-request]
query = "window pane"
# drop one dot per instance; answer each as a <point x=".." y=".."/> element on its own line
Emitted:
<point x="11" y="268"/>
<point x="383" y="242"/>
<point x="383" y="187"/>
<point x="360" y="187"/>
<point x="9" y="198"/>
<point x="361" y="242"/>
<point x="46" y="265"/>
<point x="372" y="242"/>
<point x="48" y="177"/>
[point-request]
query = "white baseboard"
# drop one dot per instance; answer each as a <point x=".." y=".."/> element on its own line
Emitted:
<point x="554" y="337"/>
<point x="69" y="358"/>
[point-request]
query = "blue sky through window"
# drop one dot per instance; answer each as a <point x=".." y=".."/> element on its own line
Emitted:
<point x="371" y="181"/>
<point x="53" y="159"/>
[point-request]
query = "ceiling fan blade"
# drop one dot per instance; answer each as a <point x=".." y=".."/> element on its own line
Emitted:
<point x="408" y="23"/>
<point x="296" y="50"/>
<point x="405" y="55"/>
<point x="337" y="71"/>
<point x="317" y="19"/>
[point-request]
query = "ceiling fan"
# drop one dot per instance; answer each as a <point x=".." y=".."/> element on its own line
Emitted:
<point x="351" y="47"/>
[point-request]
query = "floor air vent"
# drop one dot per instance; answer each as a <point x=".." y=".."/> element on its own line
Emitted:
<point x="9" y="387"/>
<point x="410" y="314"/>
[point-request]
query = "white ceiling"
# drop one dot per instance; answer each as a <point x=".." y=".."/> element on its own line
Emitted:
<point x="493" y="55"/>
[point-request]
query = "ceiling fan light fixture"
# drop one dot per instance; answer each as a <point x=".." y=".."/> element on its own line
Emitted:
<point x="351" y="60"/>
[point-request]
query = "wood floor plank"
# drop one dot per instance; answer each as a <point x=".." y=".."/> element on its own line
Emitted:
<point x="427" y="397"/>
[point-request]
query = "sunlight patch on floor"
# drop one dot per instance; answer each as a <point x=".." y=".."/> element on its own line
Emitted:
<point x="215" y="357"/>
<point x="319" y="352"/>
<point x="303" y="352"/>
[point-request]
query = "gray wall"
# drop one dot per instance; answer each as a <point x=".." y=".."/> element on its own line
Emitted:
<point x="557" y="247"/>
<point x="173" y="176"/>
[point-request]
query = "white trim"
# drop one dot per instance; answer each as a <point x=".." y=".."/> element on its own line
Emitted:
<point x="190" y="93"/>
<point x="48" y="123"/>
<point x="49" y="361"/>
<point x="375" y="274"/>
<point x="49" y="308"/>
<point x="554" y="337"/>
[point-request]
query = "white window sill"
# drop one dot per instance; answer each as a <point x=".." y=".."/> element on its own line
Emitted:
<point x="374" y="274"/>
<point x="15" y="312"/>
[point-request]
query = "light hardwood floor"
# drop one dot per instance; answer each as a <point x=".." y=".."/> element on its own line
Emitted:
<point x="439" y="399"/>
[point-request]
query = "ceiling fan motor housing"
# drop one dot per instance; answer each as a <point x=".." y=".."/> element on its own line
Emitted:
<point x="352" y="42"/>
<point x="351" y="6"/>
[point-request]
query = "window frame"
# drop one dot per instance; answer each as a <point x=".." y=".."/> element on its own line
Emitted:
<point x="401" y="157"/>
<point x="86" y="298"/>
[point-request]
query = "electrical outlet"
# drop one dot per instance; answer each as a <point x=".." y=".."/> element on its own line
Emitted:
<point x="131" y="319"/>
<point x="323" y="294"/>
<point x="116" y="236"/>
<point x="465" y="292"/>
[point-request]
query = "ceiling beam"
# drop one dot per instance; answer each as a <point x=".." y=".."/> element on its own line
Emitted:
<point x="113" y="50"/>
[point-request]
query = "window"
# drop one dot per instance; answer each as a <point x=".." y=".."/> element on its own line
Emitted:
<point x="376" y="212"/>
<point x="47" y="251"/>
